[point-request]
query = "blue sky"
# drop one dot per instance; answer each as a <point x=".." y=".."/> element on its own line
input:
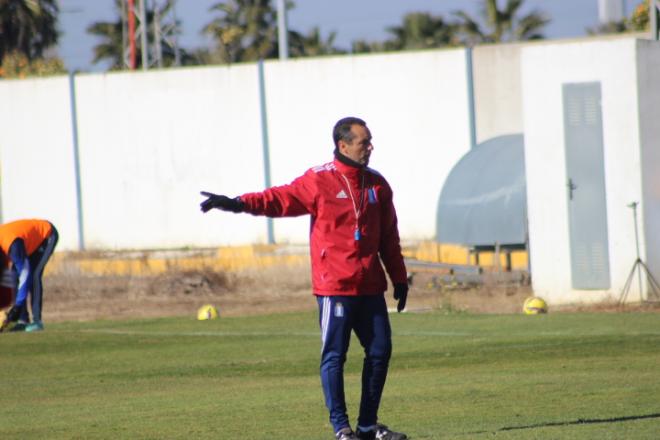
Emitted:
<point x="351" y="19"/>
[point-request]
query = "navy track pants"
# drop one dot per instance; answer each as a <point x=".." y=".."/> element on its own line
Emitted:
<point x="38" y="262"/>
<point x="367" y="316"/>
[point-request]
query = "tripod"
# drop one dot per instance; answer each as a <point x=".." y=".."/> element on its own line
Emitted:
<point x="639" y="266"/>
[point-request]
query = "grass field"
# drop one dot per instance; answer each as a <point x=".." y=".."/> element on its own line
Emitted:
<point x="461" y="376"/>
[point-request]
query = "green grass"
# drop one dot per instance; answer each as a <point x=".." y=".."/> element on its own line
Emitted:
<point x="559" y="376"/>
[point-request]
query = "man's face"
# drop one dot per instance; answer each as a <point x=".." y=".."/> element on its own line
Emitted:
<point x="359" y="149"/>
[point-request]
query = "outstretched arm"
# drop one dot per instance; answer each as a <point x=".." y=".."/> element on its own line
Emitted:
<point x="294" y="199"/>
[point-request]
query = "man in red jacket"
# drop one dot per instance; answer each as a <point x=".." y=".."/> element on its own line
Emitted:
<point x="353" y="229"/>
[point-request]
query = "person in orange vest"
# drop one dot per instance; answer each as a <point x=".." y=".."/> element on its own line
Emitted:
<point x="27" y="245"/>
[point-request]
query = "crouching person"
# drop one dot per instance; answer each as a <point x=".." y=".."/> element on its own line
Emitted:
<point x="26" y="246"/>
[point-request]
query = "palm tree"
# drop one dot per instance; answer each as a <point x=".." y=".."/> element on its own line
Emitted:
<point x="111" y="46"/>
<point x="421" y="30"/>
<point x="313" y="44"/>
<point x="246" y="30"/>
<point x="613" y="27"/>
<point x="502" y="24"/>
<point x="363" y="46"/>
<point x="28" y="27"/>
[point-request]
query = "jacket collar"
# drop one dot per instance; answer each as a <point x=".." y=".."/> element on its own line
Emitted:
<point x="347" y="166"/>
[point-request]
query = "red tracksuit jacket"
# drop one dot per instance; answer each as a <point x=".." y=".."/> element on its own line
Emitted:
<point x="352" y="224"/>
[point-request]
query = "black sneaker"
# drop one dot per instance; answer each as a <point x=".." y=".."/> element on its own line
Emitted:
<point x="346" y="434"/>
<point x="381" y="432"/>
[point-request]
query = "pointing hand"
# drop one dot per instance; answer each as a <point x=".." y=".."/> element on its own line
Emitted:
<point x="221" y="202"/>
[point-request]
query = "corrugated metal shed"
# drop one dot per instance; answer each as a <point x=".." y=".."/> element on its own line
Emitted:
<point x="484" y="201"/>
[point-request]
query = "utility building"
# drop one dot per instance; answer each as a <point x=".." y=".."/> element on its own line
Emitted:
<point x="592" y="151"/>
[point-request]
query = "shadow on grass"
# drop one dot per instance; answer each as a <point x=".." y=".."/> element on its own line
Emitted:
<point x="573" y="422"/>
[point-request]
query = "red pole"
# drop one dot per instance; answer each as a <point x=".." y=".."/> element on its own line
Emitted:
<point x="131" y="33"/>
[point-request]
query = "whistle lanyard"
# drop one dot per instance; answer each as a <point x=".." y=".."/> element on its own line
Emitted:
<point x="357" y="208"/>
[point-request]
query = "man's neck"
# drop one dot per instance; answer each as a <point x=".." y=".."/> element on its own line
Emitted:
<point x="347" y="160"/>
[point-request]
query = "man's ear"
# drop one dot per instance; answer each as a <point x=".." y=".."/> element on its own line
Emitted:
<point x="341" y="146"/>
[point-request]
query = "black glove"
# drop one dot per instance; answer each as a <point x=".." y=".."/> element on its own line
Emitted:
<point x="401" y="295"/>
<point x="14" y="313"/>
<point x="221" y="202"/>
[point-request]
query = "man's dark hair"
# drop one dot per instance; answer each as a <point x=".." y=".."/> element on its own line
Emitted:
<point x="342" y="130"/>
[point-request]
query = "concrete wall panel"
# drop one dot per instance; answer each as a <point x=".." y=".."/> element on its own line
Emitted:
<point x="151" y="141"/>
<point x="36" y="155"/>
<point x="498" y="108"/>
<point x="414" y="103"/>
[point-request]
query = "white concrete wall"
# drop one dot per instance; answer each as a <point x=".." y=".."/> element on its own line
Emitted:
<point x="648" y="75"/>
<point x="544" y="69"/>
<point x="36" y="155"/>
<point x="414" y="103"/>
<point x="497" y="90"/>
<point x="151" y="141"/>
